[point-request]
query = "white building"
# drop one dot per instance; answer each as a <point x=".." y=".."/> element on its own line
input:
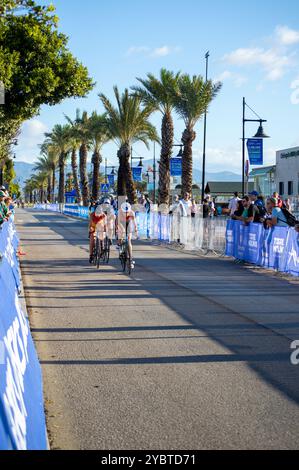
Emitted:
<point x="287" y="172"/>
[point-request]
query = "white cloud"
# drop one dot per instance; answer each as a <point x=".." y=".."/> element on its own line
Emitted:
<point x="32" y="134"/>
<point x="273" y="61"/>
<point x="156" y="52"/>
<point x="287" y="36"/>
<point x="230" y="158"/>
<point x="237" y="79"/>
<point x="137" y="50"/>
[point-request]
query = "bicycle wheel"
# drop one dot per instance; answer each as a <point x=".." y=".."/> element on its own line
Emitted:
<point x="107" y="249"/>
<point x="128" y="267"/>
<point x="98" y="254"/>
<point x="95" y="252"/>
<point x="121" y="257"/>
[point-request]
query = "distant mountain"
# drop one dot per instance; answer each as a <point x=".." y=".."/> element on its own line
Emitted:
<point x="210" y="176"/>
<point x="24" y="171"/>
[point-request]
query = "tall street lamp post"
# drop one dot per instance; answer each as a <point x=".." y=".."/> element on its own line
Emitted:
<point x="204" y="138"/>
<point x="259" y="135"/>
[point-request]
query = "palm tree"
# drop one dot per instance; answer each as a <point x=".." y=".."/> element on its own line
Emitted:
<point x="99" y="135"/>
<point x="80" y="131"/>
<point x="160" y="93"/>
<point x="47" y="163"/>
<point x="191" y="102"/>
<point x="29" y="188"/>
<point x="39" y="181"/>
<point x="42" y="166"/>
<point x="127" y="123"/>
<point x="59" y="140"/>
<point x="75" y="145"/>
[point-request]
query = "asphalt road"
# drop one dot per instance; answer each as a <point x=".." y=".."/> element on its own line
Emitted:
<point x="188" y="353"/>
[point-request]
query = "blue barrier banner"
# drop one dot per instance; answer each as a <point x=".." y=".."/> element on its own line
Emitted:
<point x="8" y="246"/>
<point x="71" y="209"/>
<point x="240" y="240"/>
<point x="292" y="253"/>
<point x="83" y="212"/>
<point x="22" y="419"/>
<point x="274" y="245"/>
<point x="254" y="240"/>
<point x="230" y="238"/>
<point x="276" y="248"/>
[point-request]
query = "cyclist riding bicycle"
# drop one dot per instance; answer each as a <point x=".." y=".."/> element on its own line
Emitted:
<point x="97" y="228"/>
<point x="111" y="217"/>
<point x="126" y="226"/>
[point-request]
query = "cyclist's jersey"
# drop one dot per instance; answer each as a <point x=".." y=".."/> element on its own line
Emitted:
<point x="97" y="222"/>
<point x="126" y="223"/>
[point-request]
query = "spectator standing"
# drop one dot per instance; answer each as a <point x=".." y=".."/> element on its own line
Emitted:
<point x="211" y="204"/>
<point x="257" y="207"/>
<point x="233" y="203"/>
<point x="279" y="200"/>
<point x="240" y="209"/>
<point x="248" y="212"/>
<point x="278" y="218"/>
<point x="206" y="210"/>
<point x="4" y="211"/>
<point x="193" y="208"/>
<point x="186" y="205"/>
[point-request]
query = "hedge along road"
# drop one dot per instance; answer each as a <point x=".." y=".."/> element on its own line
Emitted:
<point x="188" y="353"/>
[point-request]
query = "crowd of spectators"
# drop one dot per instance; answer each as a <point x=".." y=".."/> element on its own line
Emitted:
<point x="253" y="208"/>
<point x="6" y="205"/>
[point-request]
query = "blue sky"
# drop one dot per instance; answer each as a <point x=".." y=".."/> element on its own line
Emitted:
<point x="254" y="49"/>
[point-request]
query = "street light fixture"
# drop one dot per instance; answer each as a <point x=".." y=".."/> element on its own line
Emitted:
<point x="106" y="168"/>
<point x="260" y="134"/>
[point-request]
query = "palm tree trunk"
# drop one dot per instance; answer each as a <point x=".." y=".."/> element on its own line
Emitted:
<point x="53" y="184"/>
<point x="121" y="177"/>
<point x="125" y="184"/>
<point x="61" y="190"/>
<point x="167" y="133"/>
<point x="49" y="188"/>
<point x="187" y="174"/>
<point x="75" y="175"/>
<point x="96" y="160"/>
<point x="83" y="174"/>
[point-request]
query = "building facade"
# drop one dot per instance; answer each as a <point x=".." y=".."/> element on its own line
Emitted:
<point x="287" y="172"/>
<point x="264" y="179"/>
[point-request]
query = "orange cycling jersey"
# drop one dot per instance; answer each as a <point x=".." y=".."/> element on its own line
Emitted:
<point x="95" y="219"/>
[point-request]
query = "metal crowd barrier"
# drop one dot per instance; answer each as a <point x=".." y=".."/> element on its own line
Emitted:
<point x="186" y="232"/>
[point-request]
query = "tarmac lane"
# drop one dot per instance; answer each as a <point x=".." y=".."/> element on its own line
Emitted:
<point x="187" y="353"/>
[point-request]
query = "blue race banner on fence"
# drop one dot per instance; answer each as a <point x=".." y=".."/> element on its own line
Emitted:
<point x="22" y="419"/>
<point x="276" y="248"/>
<point x="230" y="234"/>
<point x="255" y="151"/>
<point x="292" y="253"/>
<point x="71" y="209"/>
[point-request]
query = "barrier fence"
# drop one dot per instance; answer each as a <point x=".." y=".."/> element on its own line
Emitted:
<point x="22" y="419"/>
<point x="275" y="248"/>
<point x="192" y="233"/>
